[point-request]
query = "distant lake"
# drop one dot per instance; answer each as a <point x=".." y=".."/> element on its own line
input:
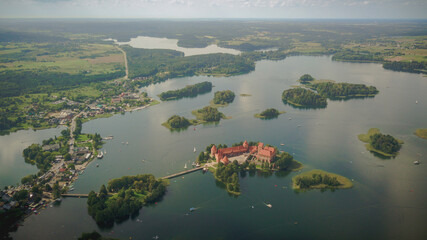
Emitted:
<point x="166" y="43"/>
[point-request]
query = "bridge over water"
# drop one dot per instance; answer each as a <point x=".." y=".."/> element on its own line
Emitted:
<point x="83" y="195"/>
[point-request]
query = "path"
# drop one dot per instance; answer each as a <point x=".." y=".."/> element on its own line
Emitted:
<point x="126" y="62"/>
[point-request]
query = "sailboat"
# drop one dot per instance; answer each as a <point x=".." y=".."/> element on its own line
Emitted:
<point x="268" y="205"/>
<point x="185" y="166"/>
<point x="194" y="150"/>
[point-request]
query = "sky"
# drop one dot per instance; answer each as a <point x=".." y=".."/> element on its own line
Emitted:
<point x="288" y="9"/>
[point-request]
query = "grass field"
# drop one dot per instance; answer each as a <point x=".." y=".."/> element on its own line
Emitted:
<point x="69" y="58"/>
<point x="345" y="182"/>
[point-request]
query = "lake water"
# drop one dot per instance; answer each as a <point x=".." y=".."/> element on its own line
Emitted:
<point x="166" y="43"/>
<point x="387" y="201"/>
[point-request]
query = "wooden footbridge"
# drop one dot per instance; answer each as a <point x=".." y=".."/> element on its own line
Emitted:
<point x="182" y="173"/>
<point x="83" y="195"/>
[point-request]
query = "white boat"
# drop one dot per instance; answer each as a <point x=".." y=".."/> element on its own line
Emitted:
<point x="71" y="189"/>
<point x="193" y="164"/>
<point x="97" y="165"/>
<point x="268" y="205"/>
<point x="290" y="118"/>
<point x="197" y="165"/>
<point x="416" y="162"/>
<point x="282" y="144"/>
<point x="194" y="150"/>
<point x="416" y="102"/>
<point x="127" y="143"/>
<point x="185" y="166"/>
<point x="100" y="155"/>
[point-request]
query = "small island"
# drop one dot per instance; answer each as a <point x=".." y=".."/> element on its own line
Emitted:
<point x="306" y="78"/>
<point x="304" y="98"/>
<point x="223" y="98"/>
<point x="188" y="91"/>
<point x="208" y="114"/>
<point x="124" y="197"/>
<point x="384" y="145"/>
<point x="421" y="132"/>
<point x="227" y="162"/>
<point x="269" y="113"/>
<point x="177" y="122"/>
<point x="318" y="179"/>
<point x="205" y="115"/>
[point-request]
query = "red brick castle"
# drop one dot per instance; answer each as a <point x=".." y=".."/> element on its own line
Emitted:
<point x="264" y="154"/>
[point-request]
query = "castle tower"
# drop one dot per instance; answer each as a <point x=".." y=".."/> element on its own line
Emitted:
<point x="245" y="144"/>
<point x="213" y="150"/>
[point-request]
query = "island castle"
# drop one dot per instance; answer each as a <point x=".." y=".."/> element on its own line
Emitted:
<point x="261" y="152"/>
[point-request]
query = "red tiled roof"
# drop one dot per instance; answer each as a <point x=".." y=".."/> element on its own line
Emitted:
<point x="264" y="152"/>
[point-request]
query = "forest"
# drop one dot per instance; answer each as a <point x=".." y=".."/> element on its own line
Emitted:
<point x="385" y="143"/>
<point x="413" y="67"/>
<point x="224" y="97"/>
<point x="229" y="175"/>
<point x="306" y="78"/>
<point x="301" y="97"/>
<point x="178" y="122"/>
<point x="125" y="196"/>
<point x="306" y="182"/>
<point x="344" y="90"/>
<point x="356" y="56"/>
<point x="268" y="113"/>
<point x="162" y="64"/>
<point x="15" y="83"/>
<point x="209" y="114"/>
<point x="188" y="91"/>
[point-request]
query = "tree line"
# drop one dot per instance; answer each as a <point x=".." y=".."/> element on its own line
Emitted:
<point x="210" y="114"/>
<point x="131" y="194"/>
<point x="188" y="91"/>
<point x="344" y="90"/>
<point x="301" y="97"/>
<point x="385" y="143"/>
<point x="224" y="97"/>
<point x="316" y="179"/>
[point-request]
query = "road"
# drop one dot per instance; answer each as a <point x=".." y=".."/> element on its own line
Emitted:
<point x="126" y="62"/>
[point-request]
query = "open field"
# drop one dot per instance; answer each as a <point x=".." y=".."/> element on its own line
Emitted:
<point x="69" y="58"/>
